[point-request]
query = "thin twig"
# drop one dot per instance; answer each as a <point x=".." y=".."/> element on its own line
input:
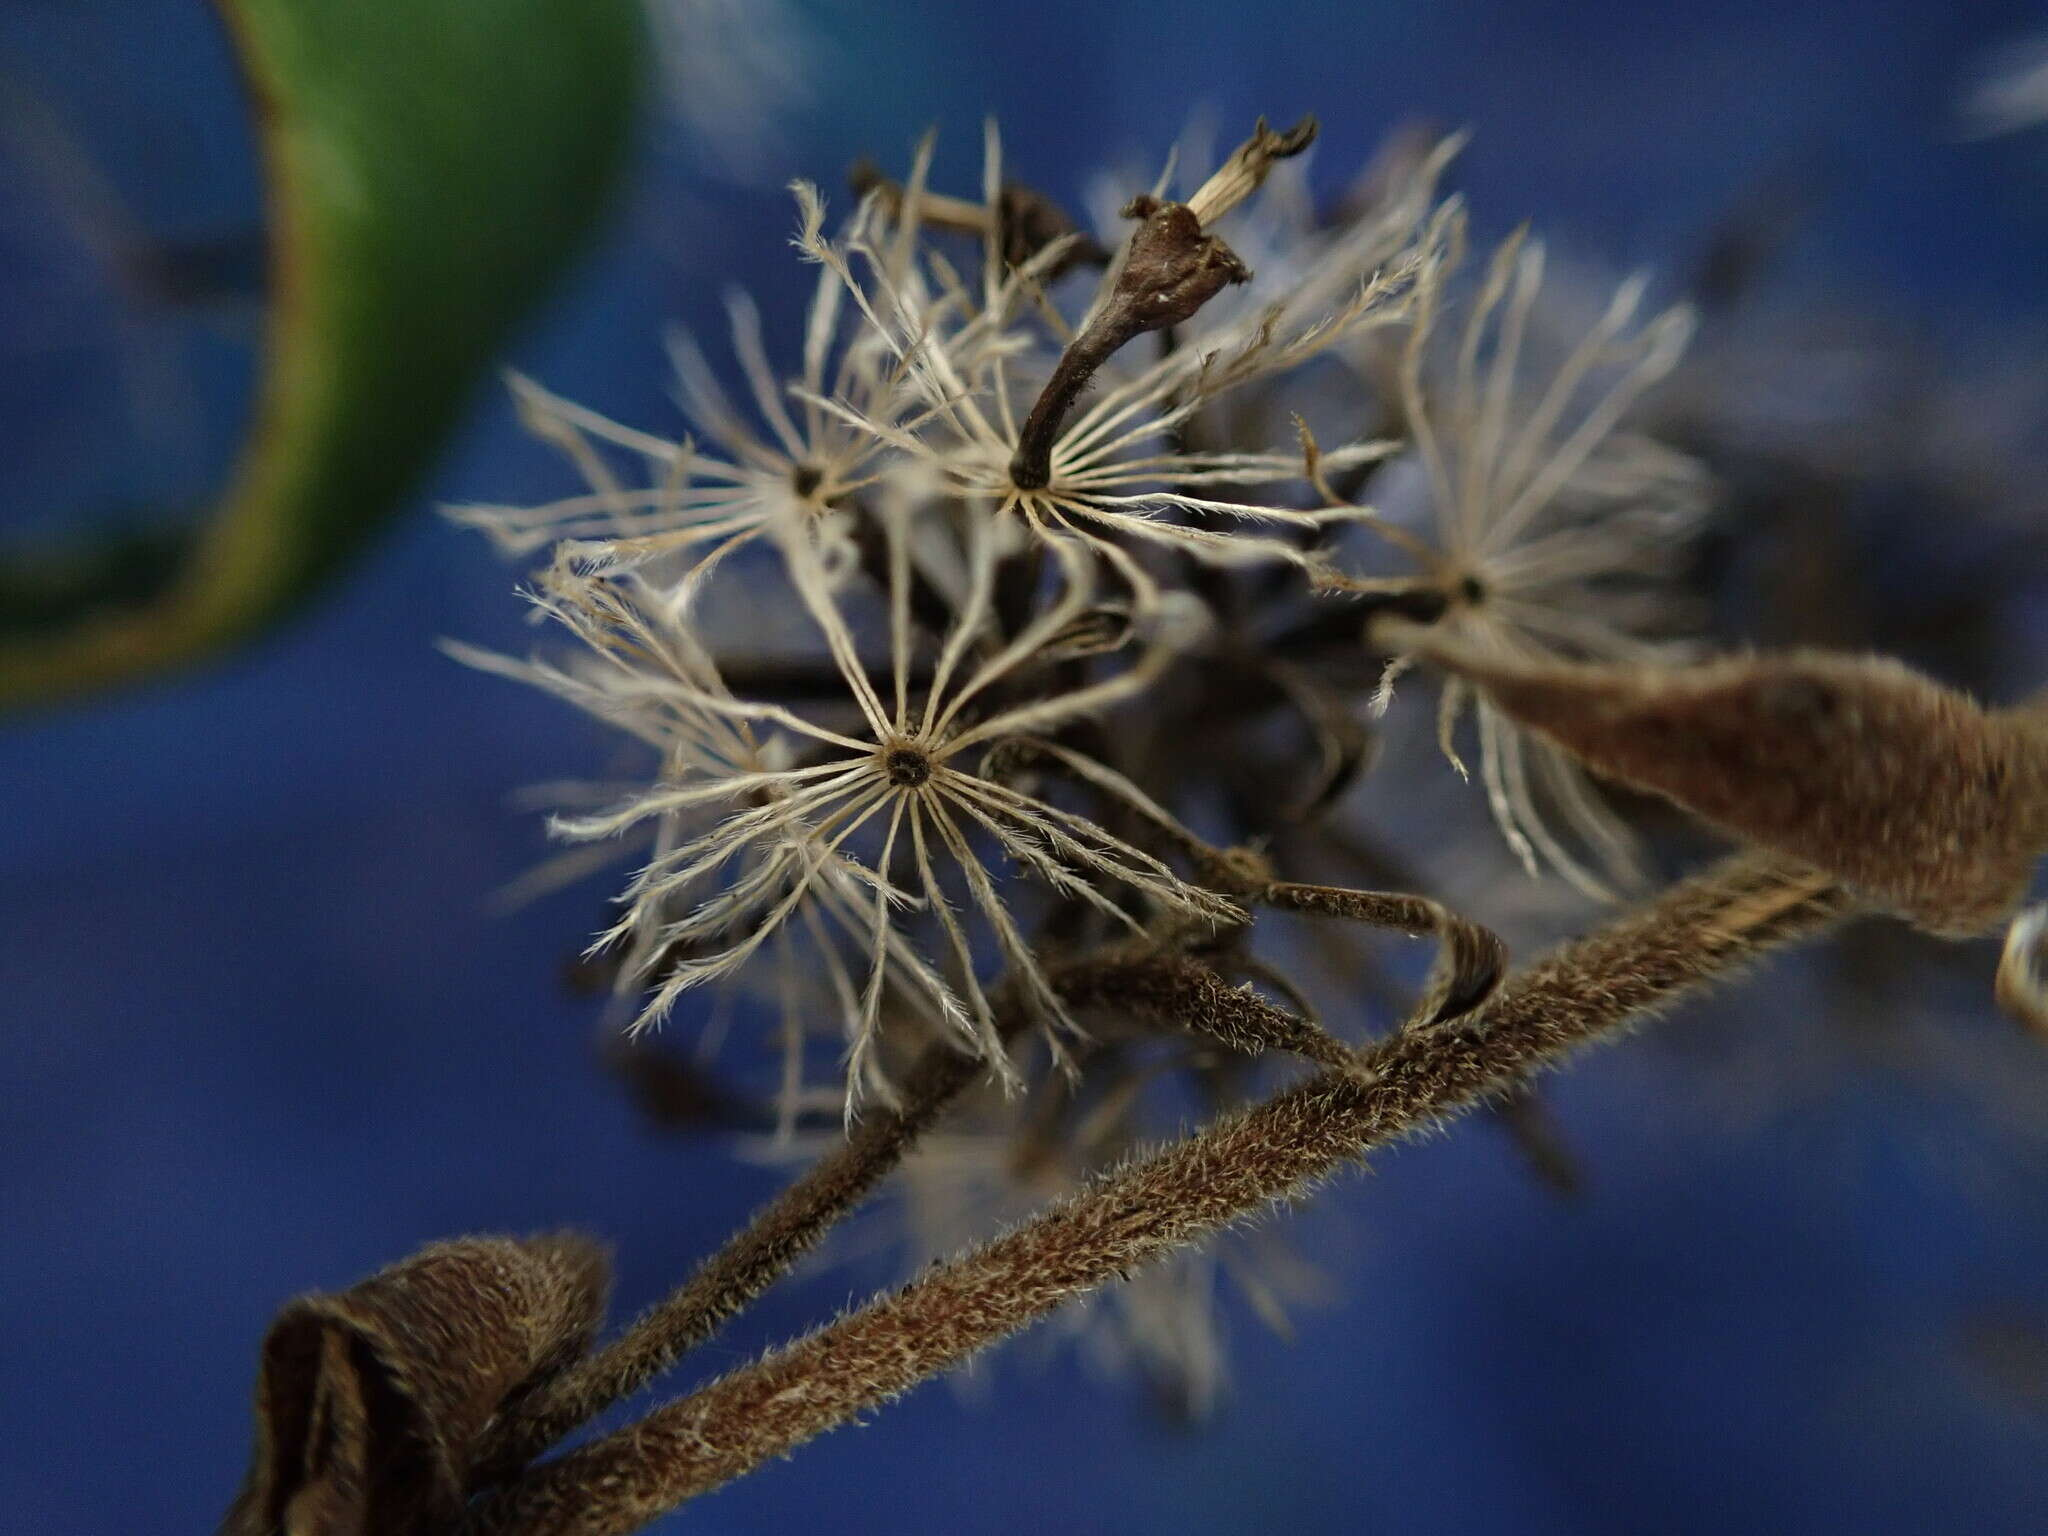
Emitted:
<point x="760" y="1254"/>
<point x="1180" y="993"/>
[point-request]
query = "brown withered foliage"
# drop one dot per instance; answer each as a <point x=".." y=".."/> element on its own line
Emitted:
<point x="373" y="1405"/>
<point x="1923" y="802"/>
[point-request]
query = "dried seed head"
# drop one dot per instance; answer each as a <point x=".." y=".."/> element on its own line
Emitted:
<point x="1914" y="796"/>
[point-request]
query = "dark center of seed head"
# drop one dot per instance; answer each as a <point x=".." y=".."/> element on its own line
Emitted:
<point x="907" y="767"/>
<point x="1472" y="590"/>
<point x="805" y="479"/>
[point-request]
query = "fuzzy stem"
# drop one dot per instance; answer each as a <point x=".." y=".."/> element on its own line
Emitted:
<point x="760" y="1254"/>
<point x="1642" y="961"/>
<point x="1178" y="993"/>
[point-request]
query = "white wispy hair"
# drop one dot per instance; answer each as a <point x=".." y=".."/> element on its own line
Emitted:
<point x="791" y="469"/>
<point x="810" y="822"/>
<point x="1546" y="520"/>
<point x="1115" y="469"/>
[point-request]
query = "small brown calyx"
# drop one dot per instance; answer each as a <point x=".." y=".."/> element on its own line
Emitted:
<point x="805" y="479"/>
<point x="907" y="765"/>
<point x="1173" y="268"/>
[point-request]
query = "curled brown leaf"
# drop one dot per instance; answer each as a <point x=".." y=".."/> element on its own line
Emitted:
<point x="372" y="1403"/>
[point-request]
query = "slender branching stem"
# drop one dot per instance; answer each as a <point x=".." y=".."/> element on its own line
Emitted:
<point x="760" y="1254"/>
<point x="1176" y="992"/>
<point x="1642" y="961"/>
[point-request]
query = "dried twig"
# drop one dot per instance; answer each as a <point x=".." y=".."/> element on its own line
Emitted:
<point x="760" y="1254"/>
<point x="1180" y="993"/>
<point x="1921" y="800"/>
<point x="1692" y="934"/>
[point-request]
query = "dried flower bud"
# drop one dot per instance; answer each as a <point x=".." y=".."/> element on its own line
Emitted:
<point x="372" y="1403"/>
<point x="1911" y="794"/>
<point x="2023" y="969"/>
<point x="1170" y="270"/>
<point x="1022" y="222"/>
<point x="1027" y="221"/>
<point x="1173" y="268"/>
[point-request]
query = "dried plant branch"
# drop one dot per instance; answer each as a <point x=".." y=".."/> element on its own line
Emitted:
<point x="1470" y="958"/>
<point x="1694" y="933"/>
<point x="785" y="1230"/>
<point x="1180" y="993"/>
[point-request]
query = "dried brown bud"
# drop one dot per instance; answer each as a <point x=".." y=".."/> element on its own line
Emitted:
<point x="1027" y="221"/>
<point x="1173" y="269"/>
<point x="1169" y="272"/>
<point x="371" y="1404"/>
<point x="1910" y="793"/>
<point x="1024" y="221"/>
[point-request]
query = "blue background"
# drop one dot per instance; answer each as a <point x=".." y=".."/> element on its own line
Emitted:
<point x="262" y="1033"/>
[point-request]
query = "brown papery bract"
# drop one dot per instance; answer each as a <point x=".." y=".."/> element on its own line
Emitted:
<point x="1921" y="800"/>
<point x="372" y="1404"/>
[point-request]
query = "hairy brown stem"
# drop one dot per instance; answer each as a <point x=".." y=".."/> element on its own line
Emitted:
<point x="1179" y="993"/>
<point x="760" y="1254"/>
<point x="1642" y="961"/>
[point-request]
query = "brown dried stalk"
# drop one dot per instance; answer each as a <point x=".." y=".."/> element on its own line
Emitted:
<point x="760" y="1254"/>
<point x="1171" y="268"/>
<point x="1470" y="959"/>
<point x="1693" y="933"/>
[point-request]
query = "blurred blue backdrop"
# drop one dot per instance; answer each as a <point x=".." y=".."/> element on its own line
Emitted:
<point x="263" y="1034"/>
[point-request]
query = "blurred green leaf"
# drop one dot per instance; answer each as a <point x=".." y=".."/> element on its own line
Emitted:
<point x="431" y="165"/>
